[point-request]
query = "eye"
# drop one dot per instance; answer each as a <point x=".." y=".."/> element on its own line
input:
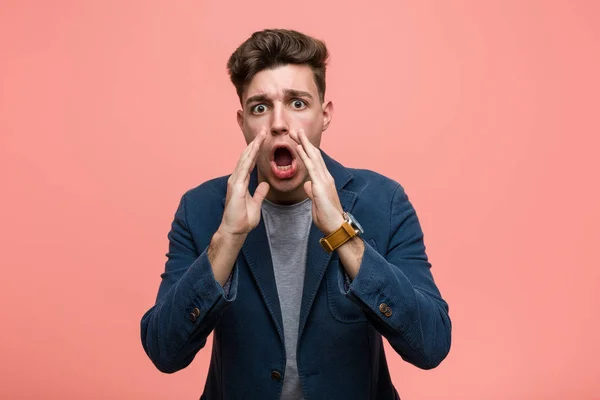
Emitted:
<point x="299" y="104"/>
<point x="258" y="109"/>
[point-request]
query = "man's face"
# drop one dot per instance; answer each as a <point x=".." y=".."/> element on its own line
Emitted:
<point x="280" y="101"/>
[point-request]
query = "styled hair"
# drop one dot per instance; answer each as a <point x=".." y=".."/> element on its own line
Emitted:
<point x="272" y="48"/>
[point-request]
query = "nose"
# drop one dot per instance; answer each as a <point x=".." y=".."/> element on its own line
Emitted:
<point x="279" y="123"/>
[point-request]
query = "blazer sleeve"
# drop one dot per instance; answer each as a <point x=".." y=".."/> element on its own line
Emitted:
<point x="189" y="303"/>
<point x="398" y="292"/>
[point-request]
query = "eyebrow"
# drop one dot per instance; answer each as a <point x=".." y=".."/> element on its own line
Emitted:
<point x="287" y="92"/>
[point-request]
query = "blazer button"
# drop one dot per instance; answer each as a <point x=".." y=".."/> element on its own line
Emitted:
<point x="196" y="312"/>
<point x="385" y="310"/>
<point x="193" y="317"/>
<point x="276" y="375"/>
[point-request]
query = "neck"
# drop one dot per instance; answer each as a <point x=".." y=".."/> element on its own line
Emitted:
<point x="287" y="198"/>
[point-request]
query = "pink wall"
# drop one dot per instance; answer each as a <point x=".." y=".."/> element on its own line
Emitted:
<point x="486" y="111"/>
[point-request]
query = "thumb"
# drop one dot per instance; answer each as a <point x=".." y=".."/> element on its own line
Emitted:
<point x="308" y="189"/>
<point x="261" y="192"/>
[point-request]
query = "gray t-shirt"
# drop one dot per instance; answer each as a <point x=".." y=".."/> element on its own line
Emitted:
<point x="287" y="228"/>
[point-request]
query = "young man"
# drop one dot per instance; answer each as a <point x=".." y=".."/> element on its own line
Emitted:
<point x="274" y="261"/>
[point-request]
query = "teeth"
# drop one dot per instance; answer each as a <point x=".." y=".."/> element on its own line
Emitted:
<point x="284" y="167"/>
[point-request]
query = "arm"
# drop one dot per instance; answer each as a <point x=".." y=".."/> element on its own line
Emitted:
<point x="397" y="292"/>
<point x="417" y="326"/>
<point x="190" y="299"/>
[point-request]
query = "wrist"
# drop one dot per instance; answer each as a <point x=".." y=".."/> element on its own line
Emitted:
<point x="335" y="224"/>
<point x="223" y="235"/>
<point x="351" y="255"/>
<point x="349" y="228"/>
<point x="222" y="252"/>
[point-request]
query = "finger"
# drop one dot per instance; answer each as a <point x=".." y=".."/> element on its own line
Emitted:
<point x="310" y="166"/>
<point x="253" y="156"/>
<point x="238" y="166"/>
<point x="294" y="136"/>
<point x="241" y="160"/>
<point x="252" y="145"/>
<point x="308" y="189"/>
<point x="248" y="159"/>
<point x="261" y="192"/>
<point x="317" y="159"/>
<point x="313" y="154"/>
<point x="308" y="146"/>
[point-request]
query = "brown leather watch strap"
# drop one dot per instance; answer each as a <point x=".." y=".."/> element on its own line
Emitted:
<point x="338" y="237"/>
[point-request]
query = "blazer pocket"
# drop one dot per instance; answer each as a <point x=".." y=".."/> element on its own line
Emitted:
<point x="340" y="306"/>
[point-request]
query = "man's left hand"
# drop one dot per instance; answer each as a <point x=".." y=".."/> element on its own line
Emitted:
<point x="326" y="207"/>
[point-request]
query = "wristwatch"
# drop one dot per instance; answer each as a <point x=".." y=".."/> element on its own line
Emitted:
<point x="347" y="231"/>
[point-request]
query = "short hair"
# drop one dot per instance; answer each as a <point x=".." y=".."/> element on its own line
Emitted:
<point x="272" y="48"/>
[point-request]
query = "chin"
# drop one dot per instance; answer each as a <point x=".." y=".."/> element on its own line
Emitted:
<point x="285" y="186"/>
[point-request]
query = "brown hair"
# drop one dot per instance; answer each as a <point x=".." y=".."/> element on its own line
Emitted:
<point x="273" y="48"/>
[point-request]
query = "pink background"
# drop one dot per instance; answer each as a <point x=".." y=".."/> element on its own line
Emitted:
<point x="486" y="111"/>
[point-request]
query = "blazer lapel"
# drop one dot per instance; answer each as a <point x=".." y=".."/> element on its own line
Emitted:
<point x="257" y="252"/>
<point x="317" y="258"/>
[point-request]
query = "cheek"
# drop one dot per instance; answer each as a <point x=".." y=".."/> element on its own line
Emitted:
<point x="251" y="130"/>
<point x="310" y="122"/>
<point x="313" y="127"/>
<point x="249" y="134"/>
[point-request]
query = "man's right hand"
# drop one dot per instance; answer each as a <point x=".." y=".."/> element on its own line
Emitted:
<point x="241" y="214"/>
<point x="242" y="211"/>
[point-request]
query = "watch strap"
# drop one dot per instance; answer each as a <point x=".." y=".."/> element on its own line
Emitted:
<point x="338" y="237"/>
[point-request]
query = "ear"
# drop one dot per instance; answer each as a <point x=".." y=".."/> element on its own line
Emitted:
<point x="240" y="119"/>
<point x="327" y="114"/>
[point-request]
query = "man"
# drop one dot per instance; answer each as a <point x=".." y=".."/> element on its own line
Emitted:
<point x="273" y="260"/>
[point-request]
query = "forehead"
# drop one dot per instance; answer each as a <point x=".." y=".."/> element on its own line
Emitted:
<point x="272" y="82"/>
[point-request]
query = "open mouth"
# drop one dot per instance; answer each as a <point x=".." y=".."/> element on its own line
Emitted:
<point x="283" y="162"/>
<point x="283" y="158"/>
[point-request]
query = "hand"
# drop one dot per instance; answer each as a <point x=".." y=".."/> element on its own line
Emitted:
<point x="242" y="211"/>
<point x="326" y="207"/>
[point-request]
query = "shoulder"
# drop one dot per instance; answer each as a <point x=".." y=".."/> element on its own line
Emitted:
<point x="212" y="190"/>
<point x="360" y="180"/>
<point x="366" y="180"/>
<point x="202" y="206"/>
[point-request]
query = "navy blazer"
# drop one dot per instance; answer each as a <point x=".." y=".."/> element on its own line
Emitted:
<point x="340" y="351"/>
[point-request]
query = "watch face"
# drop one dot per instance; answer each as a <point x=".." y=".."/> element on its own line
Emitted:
<point x="355" y="223"/>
